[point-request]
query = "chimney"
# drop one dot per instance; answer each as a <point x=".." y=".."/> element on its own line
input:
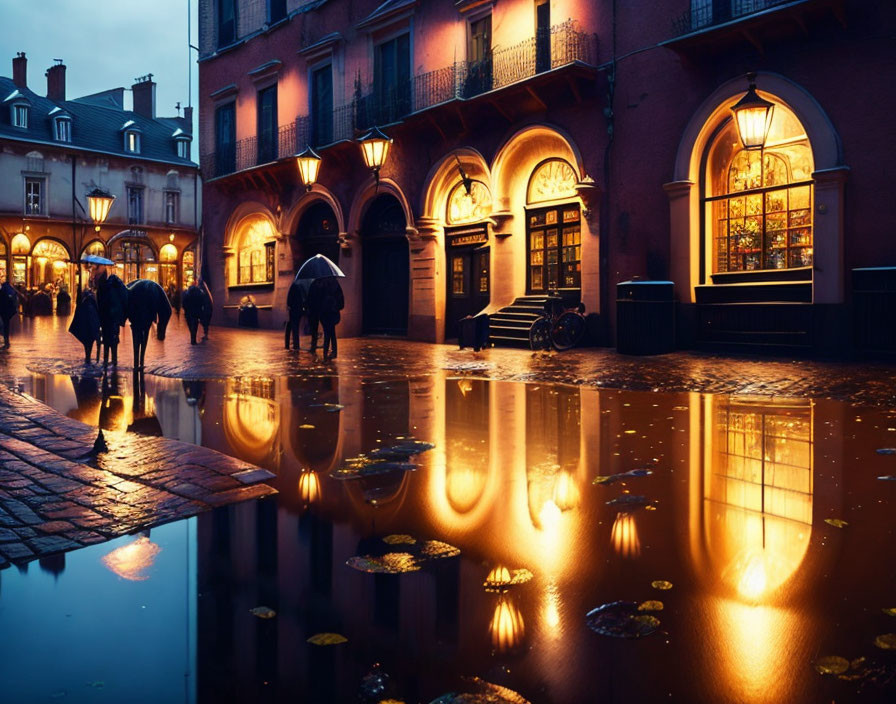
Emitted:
<point x="20" y="70"/>
<point x="188" y="117"/>
<point x="56" y="82"/>
<point x="144" y="91"/>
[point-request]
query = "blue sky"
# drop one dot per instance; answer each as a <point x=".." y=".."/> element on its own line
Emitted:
<point x="104" y="44"/>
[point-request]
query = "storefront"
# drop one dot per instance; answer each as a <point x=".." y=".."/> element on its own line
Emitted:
<point x="20" y="247"/>
<point x="168" y="266"/>
<point x="50" y="265"/>
<point x="134" y="259"/>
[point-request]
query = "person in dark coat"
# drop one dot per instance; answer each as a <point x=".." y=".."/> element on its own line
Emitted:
<point x="63" y="302"/>
<point x="295" y="303"/>
<point x="325" y="300"/>
<point x="112" y="303"/>
<point x="41" y="303"/>
<point x="9" y="306"/>
<point x="197" y="305"/>
<point x="85" y="324"/>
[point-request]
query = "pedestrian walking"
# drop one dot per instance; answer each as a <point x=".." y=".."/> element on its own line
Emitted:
<point x="85" y="324"/>
<point x="9" y="306"/>
<point x="295" y="304"/>
<point x="325" y="301"/>
<point x="112" y="303"/>
<point x="197" y="305"/>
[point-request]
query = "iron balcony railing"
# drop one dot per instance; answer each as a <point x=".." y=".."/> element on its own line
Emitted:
<point x="563" y="44"/>
<point x="704" y="14"/>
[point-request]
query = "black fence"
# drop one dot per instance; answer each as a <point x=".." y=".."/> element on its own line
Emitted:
<point x="708" y="13"/>
<point x="381" y="105"/>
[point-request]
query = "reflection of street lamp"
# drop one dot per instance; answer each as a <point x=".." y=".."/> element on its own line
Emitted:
<point x="375" y="148"/>
<point x="753" y="116"/>
<point x="309" y="164"/>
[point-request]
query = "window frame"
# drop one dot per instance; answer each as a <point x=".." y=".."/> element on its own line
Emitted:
<point x="560" y="225"/>
<point x="230" y="166"/>
<point x="182" y="148"/>
<point x="171" y="198"/>
<point x="41" y="183"/>
<point x="19" y="115"/>
<point x="132" y="138"/>
<point x="222" y="40"/>
<point x="139" y="192"/>
<point x="397" y="105"/>
<point x="62" y="129"/>
<point x="270" y="151"/>
<point x="320" y="135"/>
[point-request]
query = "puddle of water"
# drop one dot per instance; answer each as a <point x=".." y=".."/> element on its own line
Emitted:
<point x="726" y="531"/>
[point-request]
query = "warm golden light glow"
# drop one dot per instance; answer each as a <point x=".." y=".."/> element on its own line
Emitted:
<point x="20" y="244"/>
<point x="251" y="420"/>
<point x="168" y="253"/>
<point x="754" y="118"/>
<point x="464" y="486"/>
<point x="309" y="164"/>
<point x="133" y="560"/>
<point x="624" y="535"/>
<point x="309" y="487"/>
<point x="375" y="149"/>
<point x="498" y="577"/>
<point x="566" y="493"/>
<point x="506" y="628"/>
<point x="99" y="203"/>
<point x="551" y="613"/>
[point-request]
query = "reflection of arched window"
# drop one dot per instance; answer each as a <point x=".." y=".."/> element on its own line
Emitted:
<point x="758" y="492"/>
<point x="759" y="202"/>
<point x="251" y="419"/>
<point x="254" y="251"/>
<point x="467" y="442"/>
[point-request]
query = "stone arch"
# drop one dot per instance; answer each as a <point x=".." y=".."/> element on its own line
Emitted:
<point x="830" y="172"/>
<point x="242" y="211"/>
<point x="367" y="194"/>
<point x="292" y="219"/>
<point x="444" y="175"/>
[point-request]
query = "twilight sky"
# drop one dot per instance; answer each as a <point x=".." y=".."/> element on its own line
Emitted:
<point x="104" y="44"/>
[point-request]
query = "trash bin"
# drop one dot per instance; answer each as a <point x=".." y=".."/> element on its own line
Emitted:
<point x="874" y="308"/>
<point x="472" y="331"/>
<point x="645" y="317"/>
<point x="248" y="313"/>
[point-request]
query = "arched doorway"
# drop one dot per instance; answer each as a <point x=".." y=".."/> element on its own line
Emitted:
<point x="50" y="265"/>
<point x="386" y="262"/>
<point x="317" y="233"/>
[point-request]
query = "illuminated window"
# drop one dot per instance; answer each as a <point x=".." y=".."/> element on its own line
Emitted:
<point x="132" y="141"/>
<point x="255" y="251"/>
<point x="34" y="196"/>
<point x="759" y="202"/>
<point x="168" y="266"/>
<point x="470" y="207"/>
<point x="458" y="276"/>
<point x="554" y="239"/>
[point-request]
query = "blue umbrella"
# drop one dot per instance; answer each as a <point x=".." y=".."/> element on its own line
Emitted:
<point x="94" y="259"/>
<point x="318" y="267"/>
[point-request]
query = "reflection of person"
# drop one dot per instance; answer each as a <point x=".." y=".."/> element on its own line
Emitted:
<point x="85" y="324"/>
<point x="9" y="305"/>
<point x="325" y="300"/>
<point x="295" y="303"/>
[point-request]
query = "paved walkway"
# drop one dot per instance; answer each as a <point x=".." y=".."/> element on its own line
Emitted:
<point x="53" y="500"/>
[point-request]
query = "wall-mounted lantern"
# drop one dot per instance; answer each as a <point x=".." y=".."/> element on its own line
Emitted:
<point x="309" y="165"/>
<point x="99" y="203"/>
<point x="753" y="116"/>
<point x="375" y="148"/>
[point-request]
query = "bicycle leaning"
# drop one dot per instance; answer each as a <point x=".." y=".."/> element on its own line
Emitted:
<point x="559" y="327"/>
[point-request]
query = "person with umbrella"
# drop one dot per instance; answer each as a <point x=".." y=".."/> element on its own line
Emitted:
<point x="112" y="304"/>
<point x="324" y="300"/>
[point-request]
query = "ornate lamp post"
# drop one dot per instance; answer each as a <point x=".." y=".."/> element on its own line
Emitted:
<point x="753" y="116"/>
<point x="308" y="162"/>
<point x="99" y="203"/>
<point x="375" y="148"/>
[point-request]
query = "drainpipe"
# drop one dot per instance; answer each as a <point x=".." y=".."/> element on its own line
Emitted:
<point x="605" y="215"/>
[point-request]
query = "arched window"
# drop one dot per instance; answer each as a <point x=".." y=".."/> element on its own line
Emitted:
<point x="20" y="246"/>
<point x="168" y="266"/>
<point x="759" y="202"/>
<point x="255" y="240"/>
<point x="3" y="272"/>
<point x="464" y="208"/>
<point x="134" y="260"/>
<point x="49" y="264"/>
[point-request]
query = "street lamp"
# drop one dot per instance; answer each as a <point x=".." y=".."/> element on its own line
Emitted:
<point x="309" y="164"/>
<point x="375" y="148"/>
<point x="753" y="116"/>
<point x="99" y="203"/>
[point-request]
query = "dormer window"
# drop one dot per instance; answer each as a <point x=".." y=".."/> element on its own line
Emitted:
<point x="132" y="141"/>
<point x="182" y="143"/>
<point x="20" y="116"/>
<point x="63" y="129"/>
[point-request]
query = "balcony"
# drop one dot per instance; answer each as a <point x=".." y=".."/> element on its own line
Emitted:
<point x="563" y="45"/>
<point x="754" y="21"/>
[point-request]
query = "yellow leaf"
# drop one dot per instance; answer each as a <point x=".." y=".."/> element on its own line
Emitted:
<point x="630" y="432"/>
<point x="831" y="665"/>
<point x="887" y="641"/>
<point x="651" y="605"/>
<point x="649" y="507"/>
<point x="889" y="612"/>
<point x="399" y="539"/>
<point x="306" y="426"/>
<point x="327" y="639"/>
<point x="263" y="612"/>
<point x="661" y="584"/>
<point x="836" y="522"/>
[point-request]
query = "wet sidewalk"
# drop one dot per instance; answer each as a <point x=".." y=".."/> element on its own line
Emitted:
<point x="43" y="345"/>
<point x="55" y="498"/>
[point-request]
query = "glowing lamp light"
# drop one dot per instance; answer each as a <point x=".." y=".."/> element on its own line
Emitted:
<point x="99" y="203"/>
<point x="753" y="116"/>
<point x="309" y="487"/>
<point x="309" y="164"/>
<point x="375" y="148"/>
<point x="506" y="627"/>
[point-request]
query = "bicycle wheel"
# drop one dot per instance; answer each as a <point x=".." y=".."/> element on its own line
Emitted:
<point x="540" y="335"/>
<point x="568" y="331"/>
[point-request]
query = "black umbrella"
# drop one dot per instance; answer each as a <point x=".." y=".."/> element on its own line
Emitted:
<point x="318" y="267"/>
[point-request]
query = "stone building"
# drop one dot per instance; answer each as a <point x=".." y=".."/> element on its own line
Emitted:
<point x="56" y="150"/>
<point x="546" y="146"/>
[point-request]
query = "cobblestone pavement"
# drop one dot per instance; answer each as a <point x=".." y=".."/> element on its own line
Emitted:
<point x="43" y="345"/>
<point x="52" y="500"/>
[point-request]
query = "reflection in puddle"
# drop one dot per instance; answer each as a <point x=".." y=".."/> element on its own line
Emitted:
<point x="737" y="496"/>
<point x="133" y="561"/>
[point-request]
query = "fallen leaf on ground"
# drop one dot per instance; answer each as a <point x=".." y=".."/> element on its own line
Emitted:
<point x="886" y="641"/>
<point x="831" y="665"/>
<point x="612" y="478"/>
<point x="836" y="522"/>
<point x="621" y="619"/>
<point x="390" y="563"/>
<point x="327" y="639"/>
<point x="306" y="426"/>
<point x="501" y="577"/>
<point x="263" y="612"/>
<point x="661" y="584"/>
<point x="650" y="605"/>
<point x="400" y="539"/>
<point x="436" y="549"/>
<point x="481" y="692"/>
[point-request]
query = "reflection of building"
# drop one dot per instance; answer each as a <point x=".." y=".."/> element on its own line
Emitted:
<point x="510" y="120"/>
<point x="58" y="149"/>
